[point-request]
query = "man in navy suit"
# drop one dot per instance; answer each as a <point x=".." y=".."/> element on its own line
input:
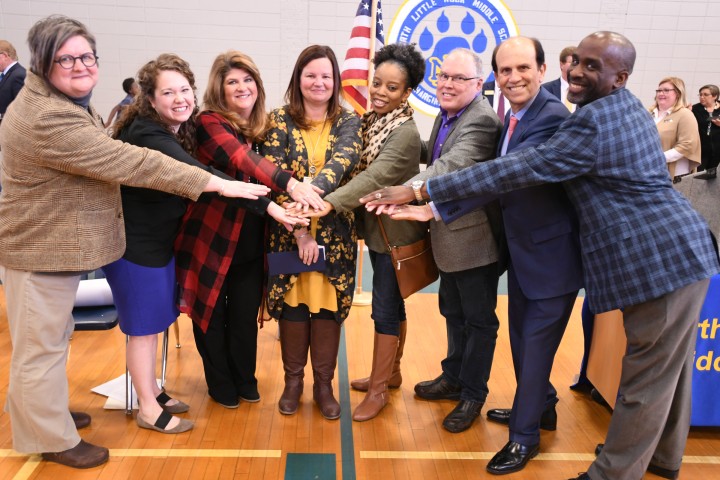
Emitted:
<point x="635" y="234"/>
<point x="12" y="73"/>
<point x="559" y="86"/>
<point x="543" y="253"/>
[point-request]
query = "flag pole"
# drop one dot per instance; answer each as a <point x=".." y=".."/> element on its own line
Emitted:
<point x="365" y="298"/>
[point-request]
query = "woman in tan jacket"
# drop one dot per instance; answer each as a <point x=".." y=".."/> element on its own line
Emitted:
<point x="677" y="127"/>
<point x="61" y="216"/>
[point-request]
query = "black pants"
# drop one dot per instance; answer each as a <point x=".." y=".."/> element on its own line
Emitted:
<point x="229" y="347"/>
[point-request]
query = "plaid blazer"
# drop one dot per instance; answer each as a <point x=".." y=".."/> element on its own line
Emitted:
<point x="640" y="238"/>
<point x="211" y="226"/>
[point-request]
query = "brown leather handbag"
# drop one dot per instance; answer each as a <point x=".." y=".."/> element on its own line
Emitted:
<point x="414" y="264"/>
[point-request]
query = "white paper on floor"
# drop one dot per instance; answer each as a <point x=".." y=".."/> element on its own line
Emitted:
<point x="115" y="391"/>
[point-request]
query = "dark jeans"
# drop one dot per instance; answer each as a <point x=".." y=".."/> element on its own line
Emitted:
<point x="467" y="301"/>
<point x="388" y="306"/>
<point x="229" y="347"/>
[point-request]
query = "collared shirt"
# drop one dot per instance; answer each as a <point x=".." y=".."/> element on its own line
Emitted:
<point x="564" y="85"/>
<point x="519" y="114"/>
<point x="445" y="126"/>
<point x="8" y="68"/>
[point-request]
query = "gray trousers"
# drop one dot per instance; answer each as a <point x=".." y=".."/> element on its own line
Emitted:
<point x="39" y="310"/>
<point x="651" y="419"/>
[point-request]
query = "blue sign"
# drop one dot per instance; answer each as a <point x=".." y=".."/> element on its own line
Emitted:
<point x="439" y="26"/>
<point x="706" y="374"/>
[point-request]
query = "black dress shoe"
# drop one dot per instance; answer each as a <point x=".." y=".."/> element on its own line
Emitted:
<point x="462" y="416"/>
<point x="582" y="476"/>
<point x="512" y="458"/>
<point x="438" y="389"/>
<point x="548" y="420"/>
<point x="654" y="469"/>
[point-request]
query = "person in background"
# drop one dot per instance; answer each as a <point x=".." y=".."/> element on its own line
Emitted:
<point x="319" y="141"/>
<point x="12" y="75"/>
<point x="131" y="89"/>
<point x="143" y="281"/>
<point x="61" y="216"/>
<point x="559" y="86"/>
<point x="220" y="249"/>
<point x="707" y="114"/>
<point x="391" y="154"/>
<point x="677" y="127"/>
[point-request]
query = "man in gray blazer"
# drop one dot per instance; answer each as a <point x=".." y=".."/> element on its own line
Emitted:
<point x="465" y="132"/>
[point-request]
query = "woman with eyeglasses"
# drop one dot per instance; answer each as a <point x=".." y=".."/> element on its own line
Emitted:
<point x="707" y="114"/>
<point x="677" y="127"/>
<point x="61" y="216"/>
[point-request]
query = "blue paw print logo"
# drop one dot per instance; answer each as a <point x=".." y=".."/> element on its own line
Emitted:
<point x="446" y="44"/>
<point x="438" y="27"/>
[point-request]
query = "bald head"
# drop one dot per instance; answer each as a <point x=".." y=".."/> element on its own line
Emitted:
<point x="617" y="47"/>
<point x="602" y="63"/>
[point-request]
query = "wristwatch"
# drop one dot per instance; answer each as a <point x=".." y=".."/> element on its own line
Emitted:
<point x="416" y="186"/>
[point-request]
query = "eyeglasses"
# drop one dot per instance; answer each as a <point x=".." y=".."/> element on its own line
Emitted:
<point x="665" y="91"/>
<point x="444" y="77"/>
<point x="68" y="61"/>
<point x="705" y="95"/>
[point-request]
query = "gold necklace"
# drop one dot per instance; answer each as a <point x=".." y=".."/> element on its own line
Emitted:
<point x="311" y="154"/>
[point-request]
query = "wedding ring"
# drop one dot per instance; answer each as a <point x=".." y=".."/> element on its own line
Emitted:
<point x="378" y="196"/>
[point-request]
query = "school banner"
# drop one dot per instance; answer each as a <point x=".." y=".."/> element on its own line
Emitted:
<point x="706" y="374"/>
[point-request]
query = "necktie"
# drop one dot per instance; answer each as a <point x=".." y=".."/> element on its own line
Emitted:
<point x="511" y="127"/>
<point x="501" y="106"/>
<point x="2" y="74"/>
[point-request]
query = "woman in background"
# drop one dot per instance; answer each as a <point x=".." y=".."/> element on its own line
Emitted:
<point x="220" y="249"/>
<point x="707" y="114"/>
<point x="390" y="156"/>
<point x="318" y="141"/>
<point x="677" y="127"/>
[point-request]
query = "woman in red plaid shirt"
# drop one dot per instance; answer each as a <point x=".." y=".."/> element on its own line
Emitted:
<point x="220" y="249"/>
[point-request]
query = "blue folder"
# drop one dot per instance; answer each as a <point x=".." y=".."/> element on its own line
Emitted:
<point x="289" y="262"/>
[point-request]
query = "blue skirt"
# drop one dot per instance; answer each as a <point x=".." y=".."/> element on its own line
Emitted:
<point x="145" y="297"/>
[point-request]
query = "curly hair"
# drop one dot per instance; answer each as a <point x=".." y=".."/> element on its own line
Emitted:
<point x="407" y="58"/>
<point x="255" y="127"/>
<point x="147" y="81"/>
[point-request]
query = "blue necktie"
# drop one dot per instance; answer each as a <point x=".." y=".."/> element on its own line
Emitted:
<point x="2" y="74"/>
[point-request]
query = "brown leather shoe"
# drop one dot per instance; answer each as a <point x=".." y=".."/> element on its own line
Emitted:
<point x="82" y="455"/>
<point x="81" y="419"/>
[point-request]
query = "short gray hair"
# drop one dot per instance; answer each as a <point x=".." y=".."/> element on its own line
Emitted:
<point x="477" y="61"/>
<point x="48" y="35"/>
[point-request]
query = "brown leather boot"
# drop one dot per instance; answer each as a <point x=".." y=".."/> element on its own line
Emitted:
<point x="362" y="384"/>
<point x="377" y="397"/>
<point x="294" y="343"/>
<point x="324" y="345"/>
<point x="82" y="455"/>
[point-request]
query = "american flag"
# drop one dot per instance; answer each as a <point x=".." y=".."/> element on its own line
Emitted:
<point x="355" y="68"/>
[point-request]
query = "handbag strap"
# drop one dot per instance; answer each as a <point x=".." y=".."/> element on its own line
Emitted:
<point x="384" y="235"/>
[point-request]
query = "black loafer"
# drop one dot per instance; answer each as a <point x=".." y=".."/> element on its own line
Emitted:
<point x="438" y="389"/>
<point x="462" y="416"/>
<point x="654" y="469"/>
<point x="548" y="420"/>
<point x="512" y="458"/>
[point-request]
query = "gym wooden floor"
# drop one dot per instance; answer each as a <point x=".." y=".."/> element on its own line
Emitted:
<point x="255" y="441"/>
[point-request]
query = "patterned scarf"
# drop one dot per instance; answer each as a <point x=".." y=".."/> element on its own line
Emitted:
<point x="376" y="129"/>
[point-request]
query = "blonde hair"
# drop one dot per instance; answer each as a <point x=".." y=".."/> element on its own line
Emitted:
<point x="679" y="86"/>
